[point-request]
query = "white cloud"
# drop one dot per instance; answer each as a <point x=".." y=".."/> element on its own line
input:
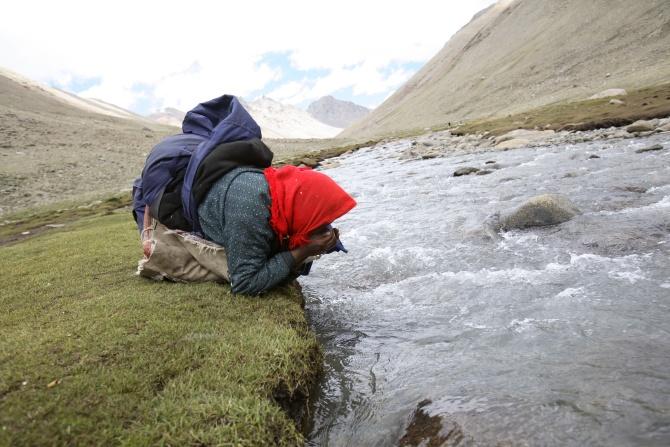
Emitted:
<point x="158" y="43"/>
<point x="364" y="79"/>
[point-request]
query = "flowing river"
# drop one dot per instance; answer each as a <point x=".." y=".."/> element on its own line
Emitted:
<point x="547" y="336"/>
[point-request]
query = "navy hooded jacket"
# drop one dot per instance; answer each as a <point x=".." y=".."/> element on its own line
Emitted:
<point x="208" y="125"/>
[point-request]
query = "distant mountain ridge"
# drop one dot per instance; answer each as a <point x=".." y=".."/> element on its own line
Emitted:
<point x="519" y="54"/>
<point x="336" y="112"/>
<point x="279" y="120"/>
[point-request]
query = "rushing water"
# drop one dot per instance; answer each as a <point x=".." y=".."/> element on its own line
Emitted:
<point x="547" y="336"/>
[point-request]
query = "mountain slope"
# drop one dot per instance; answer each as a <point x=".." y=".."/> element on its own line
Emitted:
<point x="55" y="146"/>
<point x="335" y="112"/>
<point x="520" y="54"/>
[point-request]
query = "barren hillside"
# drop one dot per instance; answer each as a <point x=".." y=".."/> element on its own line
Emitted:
<point x="520" y="54"/>
<point x="55" y="148"/>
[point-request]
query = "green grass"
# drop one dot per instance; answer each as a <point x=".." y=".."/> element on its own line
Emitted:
<point x="91" y="354"/>
<point x="644" y="103"/>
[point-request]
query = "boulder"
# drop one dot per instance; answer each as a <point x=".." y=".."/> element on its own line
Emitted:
<point x="465" y="171"/>
<point x="617" y="102"/>
<point x="641" y="126"/>
<point x="309" y="162"/>
<point x="609" y="92"/>
<point x="539" y="211"/>
<point x="526" y="134"/>
<point x="513" y="144"/>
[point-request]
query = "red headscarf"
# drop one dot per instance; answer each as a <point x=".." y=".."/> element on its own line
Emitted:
<point x="302" y="201"/>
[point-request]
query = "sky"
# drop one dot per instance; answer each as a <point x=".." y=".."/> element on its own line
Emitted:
<point x="147" y="55"/>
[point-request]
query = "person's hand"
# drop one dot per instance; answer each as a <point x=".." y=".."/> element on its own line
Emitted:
<point x="319" y="243"/>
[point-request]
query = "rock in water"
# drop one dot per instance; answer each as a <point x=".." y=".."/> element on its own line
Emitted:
<point x="539" y="211"/>
<point x="465" y="171"/>
<point x="655" y="147"/>
<point x="426" y="430"/>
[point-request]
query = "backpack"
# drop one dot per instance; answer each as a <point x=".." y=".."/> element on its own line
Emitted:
<point x="217" y="136"/>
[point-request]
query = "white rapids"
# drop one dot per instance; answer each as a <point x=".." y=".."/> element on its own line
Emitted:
<point x="547" y="336"/>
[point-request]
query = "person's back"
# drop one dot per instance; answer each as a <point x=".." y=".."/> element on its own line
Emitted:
<point x="236" y="214"/>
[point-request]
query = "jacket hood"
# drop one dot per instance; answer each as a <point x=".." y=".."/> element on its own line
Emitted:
<point x="221" y="120"/>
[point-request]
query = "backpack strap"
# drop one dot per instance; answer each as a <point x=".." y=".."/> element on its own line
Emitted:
<point x="147" y="232"/>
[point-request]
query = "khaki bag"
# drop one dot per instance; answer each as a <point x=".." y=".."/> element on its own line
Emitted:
<point x="180" y="256"/>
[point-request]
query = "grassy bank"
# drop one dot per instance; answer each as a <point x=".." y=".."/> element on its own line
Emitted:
<point x="645" y="103"/>
<point x="90" y="354"/>
<point x="312" y="158"/>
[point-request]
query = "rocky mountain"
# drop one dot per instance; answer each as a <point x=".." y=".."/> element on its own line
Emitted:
<point x="281" y="121"/>
<point x="169" y="116"/>
<point x="520" y="54"/>
<point x="335" y="112"/>
<point x="55" y="146"/>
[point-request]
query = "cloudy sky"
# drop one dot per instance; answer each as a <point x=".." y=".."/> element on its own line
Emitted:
<point x="146" y="55"/>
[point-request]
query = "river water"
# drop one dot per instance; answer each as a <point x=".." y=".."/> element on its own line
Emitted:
<point x="547" y="336"/>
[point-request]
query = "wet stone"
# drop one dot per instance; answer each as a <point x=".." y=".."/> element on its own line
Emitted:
<point x="539" y="211"/>
<point x="430" y="431"/>
<point x="309" y="162"/>
<point x="636" y="189"/>
<point x="429" y="155"/>
<point x="655" y="147"/>
<point x="465" y="171"/>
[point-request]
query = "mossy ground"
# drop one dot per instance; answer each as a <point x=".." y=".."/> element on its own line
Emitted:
<point x="644" y="103"/>
<point x="91" y="354"/>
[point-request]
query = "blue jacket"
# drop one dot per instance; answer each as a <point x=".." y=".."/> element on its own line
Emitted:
<point x="221" y="120"/>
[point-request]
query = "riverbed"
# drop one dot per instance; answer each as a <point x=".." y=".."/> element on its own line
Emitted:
<point x="546" y="336"/>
